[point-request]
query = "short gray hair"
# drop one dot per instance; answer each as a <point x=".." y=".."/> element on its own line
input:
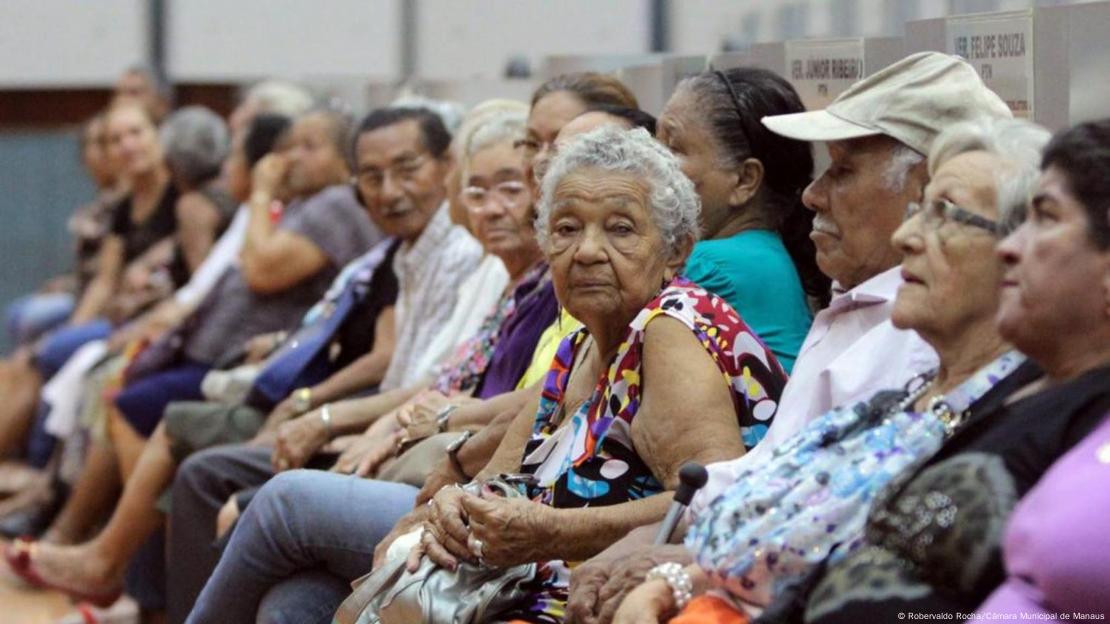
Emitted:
<point x="902" y="159"/>
<point x="500" y="127"/>
<point x="1016" y="141"/>
<point x="195" y="141"/>
<point x="674" y="203"/>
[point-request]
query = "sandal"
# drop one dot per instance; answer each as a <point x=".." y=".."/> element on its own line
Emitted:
<point x="20" y="556"/>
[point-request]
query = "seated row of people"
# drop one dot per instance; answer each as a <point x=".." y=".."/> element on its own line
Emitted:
<point x="619" y="297"/>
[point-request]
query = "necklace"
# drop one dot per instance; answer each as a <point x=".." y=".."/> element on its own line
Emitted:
<point x="937" y="405"/>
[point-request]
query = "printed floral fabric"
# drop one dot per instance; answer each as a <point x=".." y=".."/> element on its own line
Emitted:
<point x="591" y="461"/>
<point x="472" y="358"/>
<point x="775" y="523"/>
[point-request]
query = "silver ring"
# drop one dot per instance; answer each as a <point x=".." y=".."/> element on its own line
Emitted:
<point x="476" y="546"/>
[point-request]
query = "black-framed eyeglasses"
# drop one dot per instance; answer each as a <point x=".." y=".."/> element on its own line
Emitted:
<point x="940" y="211"/>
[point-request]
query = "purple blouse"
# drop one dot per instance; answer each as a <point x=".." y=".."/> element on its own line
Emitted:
<point x="536" y="308"/>
<point x="1057" y="546"/>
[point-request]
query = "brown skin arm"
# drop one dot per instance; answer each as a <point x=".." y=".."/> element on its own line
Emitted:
<point x="273" y="260"/>
<point x="511" y="448"/>
<point x="675" y="424"/>
<point x="473" y="456"/>
<point x="104" y="283"/>
<point x="366" y="371"/>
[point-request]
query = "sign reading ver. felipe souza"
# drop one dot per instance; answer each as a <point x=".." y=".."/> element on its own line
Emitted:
<point x="1000" y="47"/>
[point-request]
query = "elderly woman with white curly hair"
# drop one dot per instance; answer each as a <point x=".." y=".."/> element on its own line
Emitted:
<point x="663" y="372"/>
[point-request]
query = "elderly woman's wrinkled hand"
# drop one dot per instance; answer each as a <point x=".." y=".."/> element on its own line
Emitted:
<point x="507" y="531"/>
<point x="446" y="536"/>
<point x="598" y="586"/>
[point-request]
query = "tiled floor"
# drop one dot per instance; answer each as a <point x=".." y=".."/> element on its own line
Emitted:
<point x="22" y="605"/>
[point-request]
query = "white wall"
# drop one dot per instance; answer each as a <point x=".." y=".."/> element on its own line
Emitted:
<point x="238" y="40"/>
<point x="461" y="40"/>
<point x="69" y="43"/>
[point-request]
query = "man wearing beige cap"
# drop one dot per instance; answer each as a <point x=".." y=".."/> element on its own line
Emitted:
<point x="878" y="134"/>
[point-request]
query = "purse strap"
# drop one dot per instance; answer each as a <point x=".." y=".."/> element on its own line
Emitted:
<point x="366" y="589"/>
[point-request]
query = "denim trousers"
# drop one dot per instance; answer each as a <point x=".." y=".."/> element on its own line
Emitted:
<point x="294" y="552"/>
<point x="31" y="316"/>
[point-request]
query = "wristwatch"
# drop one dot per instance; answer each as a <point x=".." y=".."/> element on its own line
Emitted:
<point x="453" y="453"/>
<point x="302" y="400"/>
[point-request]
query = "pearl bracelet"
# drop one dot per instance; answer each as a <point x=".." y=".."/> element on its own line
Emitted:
<point x="675" y="576"/>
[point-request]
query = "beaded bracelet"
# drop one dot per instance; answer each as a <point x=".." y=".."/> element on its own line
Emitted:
<point x="675" y="576"/>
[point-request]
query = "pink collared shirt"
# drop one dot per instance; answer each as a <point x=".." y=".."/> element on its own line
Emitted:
<point x="851" y="352"/>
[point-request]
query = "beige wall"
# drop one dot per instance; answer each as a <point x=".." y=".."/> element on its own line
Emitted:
<point x="69" y="43"/>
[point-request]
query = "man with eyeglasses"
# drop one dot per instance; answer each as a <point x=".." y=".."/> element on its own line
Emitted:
<point x="878" y="134"/>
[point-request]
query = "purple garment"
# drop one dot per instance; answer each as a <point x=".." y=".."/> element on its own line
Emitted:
<point x="1057" y="546"/>
<point x="536" y="309"/>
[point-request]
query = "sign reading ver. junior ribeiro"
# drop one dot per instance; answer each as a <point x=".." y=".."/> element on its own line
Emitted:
<point x="1000" y="47"/>
<point x="821" y="69"/>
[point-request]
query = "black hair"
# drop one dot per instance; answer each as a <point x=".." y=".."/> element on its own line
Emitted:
<point x="634" y="116"/>
<point x="434" y="134"/>
<point x="733" y="101"/>
<point x="1082" y="153"/>
<point x="262" y="135"/>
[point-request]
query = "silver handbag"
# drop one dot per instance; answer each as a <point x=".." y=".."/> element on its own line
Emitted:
<point x="433" y="595"/>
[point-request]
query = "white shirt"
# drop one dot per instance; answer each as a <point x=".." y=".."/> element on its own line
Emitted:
<point x="478" y="296"/>
<point x="429" y="272"/>
<point x="851" y="351"/>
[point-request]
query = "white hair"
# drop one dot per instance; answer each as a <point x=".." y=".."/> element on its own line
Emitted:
<point x="1018" y="142"/>
<point x="195" y="141"/>
<point x="500" y="127"/>
<point x="278" y="97"/>
<point x="477" y="117"/>
<point x="674" y="203"/>
<point x="903" y="158"/>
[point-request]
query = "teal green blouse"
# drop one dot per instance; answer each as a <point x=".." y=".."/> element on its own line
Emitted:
<point x="754" y="273"/>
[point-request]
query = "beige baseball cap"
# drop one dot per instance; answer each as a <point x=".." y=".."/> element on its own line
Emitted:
<point x="912" y="101"/>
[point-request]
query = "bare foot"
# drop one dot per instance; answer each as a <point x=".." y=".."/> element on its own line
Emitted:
<point x="79" y="568"/>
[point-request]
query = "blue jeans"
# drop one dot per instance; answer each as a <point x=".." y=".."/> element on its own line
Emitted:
<point x="294" y="552"/>
<point x="60" y="344"/>
<point x="31" y="316"/>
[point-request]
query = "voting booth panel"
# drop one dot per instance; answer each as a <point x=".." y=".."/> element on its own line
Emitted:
<point x="1048" y="64"/>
